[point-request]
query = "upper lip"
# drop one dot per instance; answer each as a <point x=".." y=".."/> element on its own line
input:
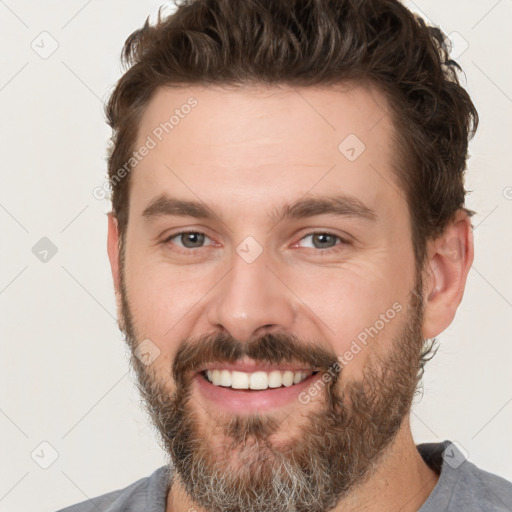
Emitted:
<point x="252" y="366"/>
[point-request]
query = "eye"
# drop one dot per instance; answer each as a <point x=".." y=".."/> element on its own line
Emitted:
<point x="188" y="240"/>
<point x="323" y="240"/>
<point x="191" y="241"/>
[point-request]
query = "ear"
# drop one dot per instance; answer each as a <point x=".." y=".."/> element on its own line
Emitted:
<point x="449" y="259"/>
<point x="113" y="256"/>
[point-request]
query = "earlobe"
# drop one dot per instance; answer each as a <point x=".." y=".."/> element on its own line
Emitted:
<point x="449" y="261"/>
<point x="113" y="249"/>
<point x="113" y="256"/>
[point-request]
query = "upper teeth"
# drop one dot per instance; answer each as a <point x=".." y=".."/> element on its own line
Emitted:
<point x="256" y="380"/>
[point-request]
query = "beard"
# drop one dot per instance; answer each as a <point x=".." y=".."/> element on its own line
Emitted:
<point x="232" y="463"/>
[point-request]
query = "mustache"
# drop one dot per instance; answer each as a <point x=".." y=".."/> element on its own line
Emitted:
<point x="193" y="354"/>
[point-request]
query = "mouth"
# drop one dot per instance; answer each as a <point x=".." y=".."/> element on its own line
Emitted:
<point x="237" y="391"/>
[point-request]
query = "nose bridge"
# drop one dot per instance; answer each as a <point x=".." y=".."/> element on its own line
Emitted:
<point x="251" y="298"/>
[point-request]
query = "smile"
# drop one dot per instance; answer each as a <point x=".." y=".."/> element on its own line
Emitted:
<point x="252" y="392"/>
<point x="259" y="380"/>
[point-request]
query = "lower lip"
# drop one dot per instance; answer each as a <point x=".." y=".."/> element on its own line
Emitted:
<point x="243" y="400"/>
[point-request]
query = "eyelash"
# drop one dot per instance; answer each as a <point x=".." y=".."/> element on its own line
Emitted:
<point x="199" y="250"/>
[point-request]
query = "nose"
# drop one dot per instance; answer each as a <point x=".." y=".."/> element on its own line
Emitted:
<point x="252" y="300"/>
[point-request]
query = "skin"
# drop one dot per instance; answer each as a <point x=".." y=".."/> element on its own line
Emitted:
<point x="245" y="153"/>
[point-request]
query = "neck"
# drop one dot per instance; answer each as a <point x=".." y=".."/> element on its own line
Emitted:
<point x="400" y="481"/>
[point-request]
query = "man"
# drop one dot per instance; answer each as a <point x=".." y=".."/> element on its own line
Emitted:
<point x="288" y="236"/>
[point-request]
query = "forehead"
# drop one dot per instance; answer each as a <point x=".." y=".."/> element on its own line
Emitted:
<point x="265" y="145"/>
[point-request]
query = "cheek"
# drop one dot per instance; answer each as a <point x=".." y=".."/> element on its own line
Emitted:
<point x="357" y="308"/>
<point x="160" y="298"/>
<point x="165" y="301"/>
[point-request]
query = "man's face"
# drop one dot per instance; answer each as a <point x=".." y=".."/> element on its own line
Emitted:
<point x="263" y="282"/>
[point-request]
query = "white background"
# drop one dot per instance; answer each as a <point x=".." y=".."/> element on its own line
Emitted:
<point x="64" y="368"/>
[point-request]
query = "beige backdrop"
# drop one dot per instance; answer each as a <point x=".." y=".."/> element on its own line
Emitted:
<point x="71" y="425"/>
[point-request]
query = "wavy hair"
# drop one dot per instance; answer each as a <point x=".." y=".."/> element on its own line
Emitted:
<point x="312" y="43"/>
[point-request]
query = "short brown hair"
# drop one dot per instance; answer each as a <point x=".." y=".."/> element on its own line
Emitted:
<point x="312" y="43"/>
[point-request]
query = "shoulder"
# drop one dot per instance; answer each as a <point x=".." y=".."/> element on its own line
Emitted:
<point x="462" y="485"/>
<point x="147" y="493"/>
<point x="488" y="491"/>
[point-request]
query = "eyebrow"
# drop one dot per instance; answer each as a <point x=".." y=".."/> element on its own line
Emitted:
<point x="164" y="205"/>
<point x="341" y="205"/>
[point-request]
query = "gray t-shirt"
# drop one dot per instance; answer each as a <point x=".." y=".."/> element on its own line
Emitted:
<point x="461" y="487"/>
